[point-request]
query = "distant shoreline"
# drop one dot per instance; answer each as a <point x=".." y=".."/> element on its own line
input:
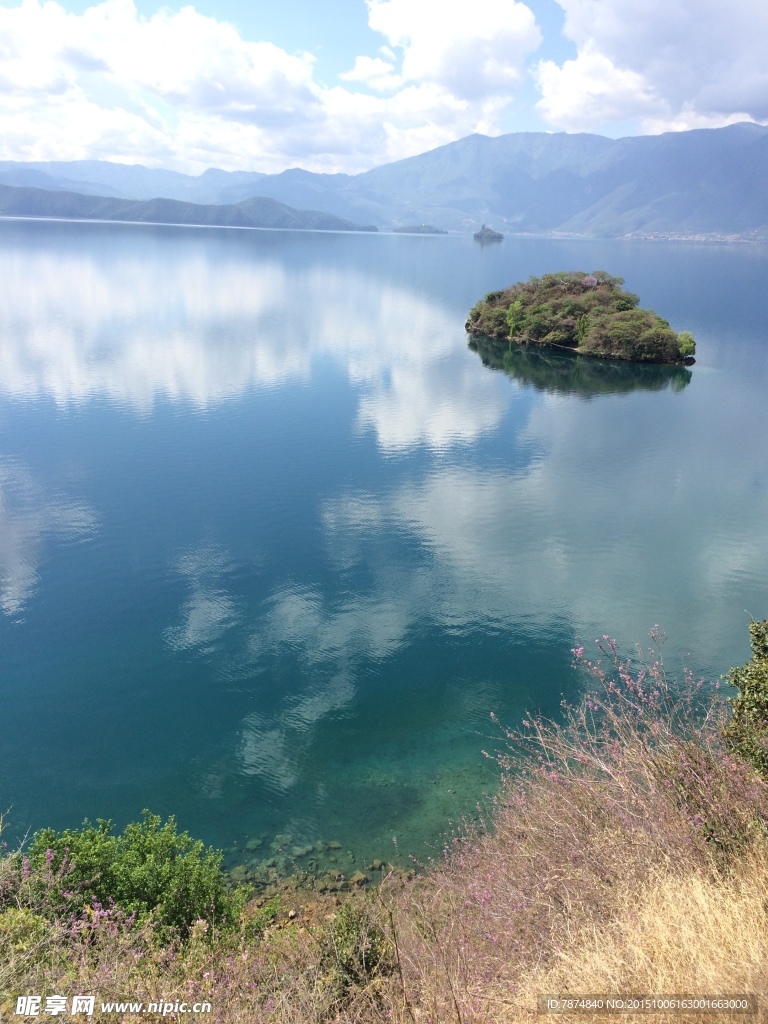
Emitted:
<point x="172" y="224"/>
<point x="710" y="239"/>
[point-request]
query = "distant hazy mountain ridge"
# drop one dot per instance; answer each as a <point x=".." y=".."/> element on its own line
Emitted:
<point x="253" y="213"/>
<point x="702" y="182"/>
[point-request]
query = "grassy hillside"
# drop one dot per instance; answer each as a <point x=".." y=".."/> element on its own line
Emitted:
<point x="626" y="853"/>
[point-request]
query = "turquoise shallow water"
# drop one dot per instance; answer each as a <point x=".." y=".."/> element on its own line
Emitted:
<point x="274" y="542"/>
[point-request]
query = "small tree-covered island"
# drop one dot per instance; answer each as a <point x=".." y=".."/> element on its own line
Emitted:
<point x="589" y="314"/>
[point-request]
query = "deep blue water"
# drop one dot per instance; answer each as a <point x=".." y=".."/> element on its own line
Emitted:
<point x="274" y="542"/>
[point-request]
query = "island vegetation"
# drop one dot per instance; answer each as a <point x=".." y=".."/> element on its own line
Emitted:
<point x="589" y="314"/>
<point x="626" y="851"/>
<point x="486" y="234"/>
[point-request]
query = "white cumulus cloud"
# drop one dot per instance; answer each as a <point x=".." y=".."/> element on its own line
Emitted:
<point x="473" y="50"/>
<point x="375" y="73"/>
<point x="108" y="83"/>
<point x="182" y="89"/>
<point x="671" y="64"/>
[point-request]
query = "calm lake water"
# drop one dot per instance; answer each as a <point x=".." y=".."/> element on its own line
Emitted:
<point x="274" y="542"/>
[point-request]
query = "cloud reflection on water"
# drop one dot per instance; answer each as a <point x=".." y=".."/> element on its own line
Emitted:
<point x="328" y="639"/>
<point x="275" y="747"/>
<point x="587" y="534"/>
<point x="594" y="533"/>
<point x="31" y="514"/>
<point x="209" y="611"/>
<point x="138" y="329"/>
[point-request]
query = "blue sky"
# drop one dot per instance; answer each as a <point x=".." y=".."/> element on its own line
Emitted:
<point x="347" y="86"/>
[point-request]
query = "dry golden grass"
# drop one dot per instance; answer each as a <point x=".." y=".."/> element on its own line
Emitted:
<point x="682" y="931"/>
<point x="680" y="934"/>
<point x="627" y="856"/>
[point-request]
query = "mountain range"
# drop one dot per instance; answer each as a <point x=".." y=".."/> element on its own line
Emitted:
<point x="258" y="212"/>
<point x="709" y="182"/>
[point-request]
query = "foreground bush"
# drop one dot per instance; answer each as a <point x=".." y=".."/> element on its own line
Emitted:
<point x="149" y="870"/>
<point x="747" y="731"/>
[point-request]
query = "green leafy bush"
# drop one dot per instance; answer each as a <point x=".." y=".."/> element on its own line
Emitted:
<point x="359" y="948"/>
<point x="686" y="344"/>
<point x="149" y="869"/>
<point x="747" y="731"/>
<point x="635" y="334"/>
<point x="257" y="922"/>
<point x="21" y="931"/>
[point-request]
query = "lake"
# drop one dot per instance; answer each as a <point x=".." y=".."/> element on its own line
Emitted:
<point x="274" y="542"/>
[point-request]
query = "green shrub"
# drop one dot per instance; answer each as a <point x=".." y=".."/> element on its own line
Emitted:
<point x="624" y="302"/>
<point x="685" y="344"/>
<point x="21" y="931"/>
<point x="497" y="319"/>
<point x="257" y="922"/>
<point x="746" y="734"/>
<point x="581" y="329"/>
<point x="515" y="316"/>
<point x="150" y="869"/>
<point x="359" y="948"/>
<point x="636" y="334"/>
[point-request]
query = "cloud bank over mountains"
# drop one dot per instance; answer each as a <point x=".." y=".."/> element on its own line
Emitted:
<point x="671" y="64"/>
<point x="182" y="89"/>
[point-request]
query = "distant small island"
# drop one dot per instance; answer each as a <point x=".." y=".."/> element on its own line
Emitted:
<point x="589" y="314"/>
<point x="486" y="234"/>
<point x="420" y="229"/>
